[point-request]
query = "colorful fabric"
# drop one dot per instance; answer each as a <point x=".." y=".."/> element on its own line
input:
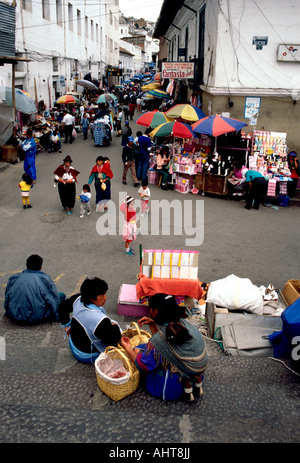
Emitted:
<point x="178" y="287"/>
<point x="188" y="359"/>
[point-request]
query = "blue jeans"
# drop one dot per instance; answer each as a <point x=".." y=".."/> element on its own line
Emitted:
<point x="85" y="132"/>
<point x="143" y="167"/>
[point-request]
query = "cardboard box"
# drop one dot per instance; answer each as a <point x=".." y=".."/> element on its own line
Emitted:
<point x="216" y="317"/>
<point x="9" y="153"/>
<point x="291" y="291"/>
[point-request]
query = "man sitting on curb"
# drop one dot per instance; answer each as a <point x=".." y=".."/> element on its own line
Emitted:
<point x="31" y="295"/>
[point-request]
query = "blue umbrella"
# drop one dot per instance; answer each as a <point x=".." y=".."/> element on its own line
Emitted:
<point x="217" y="125"/>
<point x="24" y="103"/>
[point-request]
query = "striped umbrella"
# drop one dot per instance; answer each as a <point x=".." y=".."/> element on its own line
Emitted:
<point x="67" y="99"/>
<point x="186" y="111"/>
<point x="159" y="94"/>
<point x="152" y="119"/>
<point x="175" y="128"/>
<point x="151" y="86"/>
<point x="217" y="125"/>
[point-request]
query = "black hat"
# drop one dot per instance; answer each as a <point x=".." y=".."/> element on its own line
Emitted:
<point x="67" y="159"/>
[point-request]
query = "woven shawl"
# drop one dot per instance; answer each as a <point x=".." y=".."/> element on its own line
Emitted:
<point x="188" y="359"/>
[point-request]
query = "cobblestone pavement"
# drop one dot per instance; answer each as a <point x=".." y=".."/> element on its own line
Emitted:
<point x="46" y="396"/>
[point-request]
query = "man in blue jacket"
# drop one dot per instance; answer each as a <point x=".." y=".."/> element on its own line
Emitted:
<point x="31" y="295"/>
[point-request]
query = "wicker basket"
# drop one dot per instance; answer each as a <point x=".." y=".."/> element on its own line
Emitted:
<point x="136" y="335"/>
<point x="119" y="391"/>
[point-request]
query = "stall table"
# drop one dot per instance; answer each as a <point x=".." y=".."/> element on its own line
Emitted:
<point x="212" y="183"/>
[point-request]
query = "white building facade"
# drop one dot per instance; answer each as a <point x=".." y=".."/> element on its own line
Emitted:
<point x="241" y="49"/>
<point x="64" y="40"/>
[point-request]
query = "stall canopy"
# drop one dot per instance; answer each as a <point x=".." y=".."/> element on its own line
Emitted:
<point x="105" y="98"/>
<point x="217" y="125"/>
<point x="67" y="99"/>
<point x="185" y="111"/>
<point x="152" y="119"/>
<point x="23" y="101"/>
<point x="175" y="128"/>
<point x="87" y="84"/>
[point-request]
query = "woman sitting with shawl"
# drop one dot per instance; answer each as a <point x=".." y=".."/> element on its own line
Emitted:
<point x="175" y="357"/>
<point x="101" y="174"/>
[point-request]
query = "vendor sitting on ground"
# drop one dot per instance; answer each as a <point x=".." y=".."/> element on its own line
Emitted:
<point x="90" y="329"/>
<point x="163" y="166"/>
<point x="175" y="357"/>
<point x="31" y="296"/>
<point x="236" y="179"/>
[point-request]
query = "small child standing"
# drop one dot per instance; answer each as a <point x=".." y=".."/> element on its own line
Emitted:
<point x="26" y="184"/>
<point x="144" y="192"/>
<point x="85" y="197"/>
<point x="129" y="227"/>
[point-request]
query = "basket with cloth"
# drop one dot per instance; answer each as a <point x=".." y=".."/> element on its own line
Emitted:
<point x="116" y="375"/>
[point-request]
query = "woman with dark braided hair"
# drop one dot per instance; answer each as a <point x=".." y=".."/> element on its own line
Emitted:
<point x="175" y="357"/>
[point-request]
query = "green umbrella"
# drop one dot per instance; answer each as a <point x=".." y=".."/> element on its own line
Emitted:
<point x="105" y="98"/>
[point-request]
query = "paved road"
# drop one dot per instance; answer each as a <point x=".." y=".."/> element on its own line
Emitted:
<point x="46" y="396"/>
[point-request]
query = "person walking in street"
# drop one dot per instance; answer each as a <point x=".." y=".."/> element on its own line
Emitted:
<point x="85" y="125"/>
<point x="26" y="184"/>
<point x="145" y="147"/>
<point x="129" y="227"/>
<point x="101" y="174"/>
<point x="128" y="161"/>
<point x="126" y="132"/>
<point x="144" y="192"/>
<point x="67" y="126"/>
<point x="66" y="178"/>
<point x="29" y="149"/>
<point x="131" y="109"/>
<point x="85" y="198"/>
<point x="31" y="295"/>
<point x="294" y="167"/>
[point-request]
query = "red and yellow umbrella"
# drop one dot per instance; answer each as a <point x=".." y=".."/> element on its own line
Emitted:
<point x="152" y="119"/>
<point x="67" y="99"/>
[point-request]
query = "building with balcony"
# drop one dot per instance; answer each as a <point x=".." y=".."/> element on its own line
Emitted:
<point x="243" y="51"/>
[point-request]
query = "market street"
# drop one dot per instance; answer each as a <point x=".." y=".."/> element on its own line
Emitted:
<point x="47" y="396"/>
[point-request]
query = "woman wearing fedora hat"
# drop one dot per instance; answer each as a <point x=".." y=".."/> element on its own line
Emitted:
<point x="66" y="177"/>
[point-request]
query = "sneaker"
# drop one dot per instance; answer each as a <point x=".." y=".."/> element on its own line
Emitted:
<point x="124" y="183"/>
<point x="88" y="213"/>
<point x="137" y="184"/>
<point x="29" y="206"/>
<point x="129" y="253"/>
<point x="69" y="213"/>
<point x="59" y="151"/>
<point x="81" y="216"/>
<point x="24" y="207"/>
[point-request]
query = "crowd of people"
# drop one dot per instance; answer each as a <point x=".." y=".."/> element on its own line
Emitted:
<point x="174" y="360"/>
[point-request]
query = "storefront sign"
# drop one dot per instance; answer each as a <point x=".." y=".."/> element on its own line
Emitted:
<point x="260" y="42"/>
<point x="114" y="71"/>
<point x="177" y="70"/>
<point x="62" y="81"/>
<point x="289" y="53"/>
<point x="252" y="106"/>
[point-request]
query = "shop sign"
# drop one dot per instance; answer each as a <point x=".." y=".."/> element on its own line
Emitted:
<point x="252" y="105"/>
<point x="111" y="71"/>
<point x="288" y="53"/>
<point x="260" y="42"/>
<point x="177" y="70"/>
<point x="62" y="81"/>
